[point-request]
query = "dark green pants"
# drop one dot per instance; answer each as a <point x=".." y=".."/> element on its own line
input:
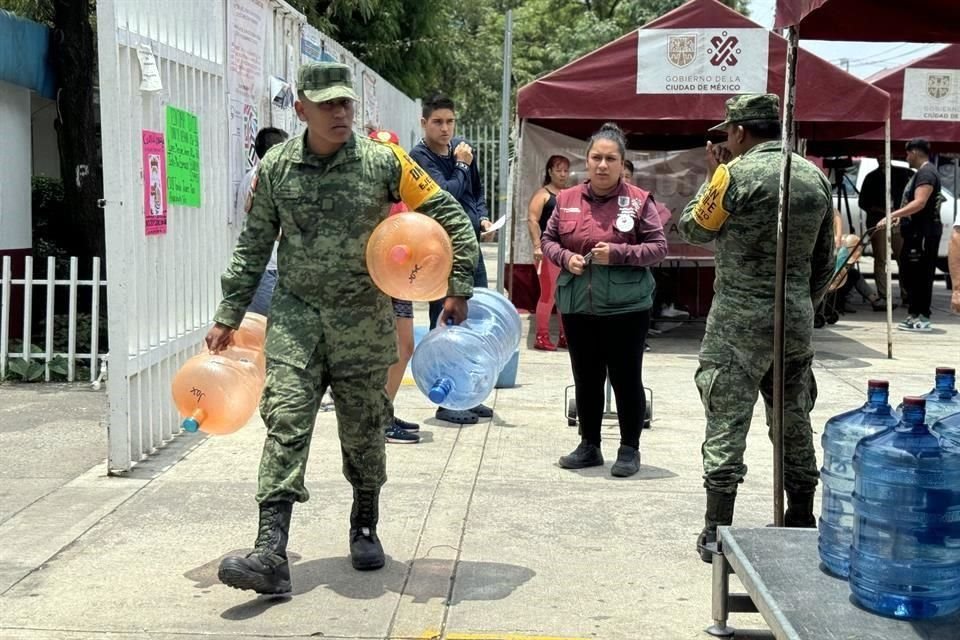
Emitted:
<point x="729" y="377"/>
<point x="291" y="399"/>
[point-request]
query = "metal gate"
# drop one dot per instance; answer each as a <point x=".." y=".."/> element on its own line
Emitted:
<point x="164" y="287"/>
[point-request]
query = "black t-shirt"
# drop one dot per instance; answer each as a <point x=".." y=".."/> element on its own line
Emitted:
<point x="927" y="174"/>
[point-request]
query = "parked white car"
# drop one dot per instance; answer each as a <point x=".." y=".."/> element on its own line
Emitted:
<point x="853" y="181"/>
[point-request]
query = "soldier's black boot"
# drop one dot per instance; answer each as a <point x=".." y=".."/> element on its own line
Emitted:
<point x="366" y="552"/>
<point x="585" y="455"/>
<point x="265" y="569"/>
<point x="719" y="512"/>
<point x="799" y="511"/>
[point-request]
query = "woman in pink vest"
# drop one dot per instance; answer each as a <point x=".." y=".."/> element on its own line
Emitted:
<point x="539" y="212"/>
<point x="604" y="234"/>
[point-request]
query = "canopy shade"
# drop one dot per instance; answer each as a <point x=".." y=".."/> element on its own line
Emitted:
<point x="606" y="83"/>
<point x="872" y="20"/>
<point x="924" y="103"/>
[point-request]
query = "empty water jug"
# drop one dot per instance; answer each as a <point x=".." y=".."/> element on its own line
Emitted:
<point x="252" y="333"/>
<point x="217" y="394"/>
<point x="409" y="257"/>
<point x="943" y="400"/>
<point x="457" y="366"/>
<point x="905" y="557"/>
<point x="840" y="438"/>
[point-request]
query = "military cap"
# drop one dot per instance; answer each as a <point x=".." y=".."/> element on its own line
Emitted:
<point x="325" y="81"/>
<point x="751" y="107"/>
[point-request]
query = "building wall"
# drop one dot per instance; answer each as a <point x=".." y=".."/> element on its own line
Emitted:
<point x="15" y="168"/>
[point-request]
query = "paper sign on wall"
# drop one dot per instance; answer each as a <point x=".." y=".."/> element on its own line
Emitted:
<point x="183" y="158"/>
<point x="684" y="61"/>
<point x="931" y="94"/>
<point x="154" y="183"/>
<point x="149" y="74"/>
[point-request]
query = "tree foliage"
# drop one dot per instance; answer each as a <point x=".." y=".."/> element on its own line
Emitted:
<point x="458" y="47"/>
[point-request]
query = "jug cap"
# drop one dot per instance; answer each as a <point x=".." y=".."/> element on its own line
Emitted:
<point x="948" y="371"/>
<point x="878" y="384"/>
<point x="914" y="401"/>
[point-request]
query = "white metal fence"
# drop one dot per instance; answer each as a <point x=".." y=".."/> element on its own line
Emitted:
<point x="33" y="287"/>
<point x="485" y="138"/>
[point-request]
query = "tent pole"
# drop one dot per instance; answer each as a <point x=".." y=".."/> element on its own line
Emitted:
<point x="504" y="142"/>
<point x="887" y="170"/>
<point x="779" y="328"/>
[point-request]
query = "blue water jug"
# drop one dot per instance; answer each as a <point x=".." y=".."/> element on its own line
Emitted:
<point x="948" y="427"/>
<point x="457" y="366"/>
<point x="840" y="438"/>
<point x="943" y="400"/>
<point x="905" y="557"/>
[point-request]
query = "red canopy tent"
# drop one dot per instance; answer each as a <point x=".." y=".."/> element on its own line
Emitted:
<point x="923" y="116"/>
<point x="872" y="20"/>
<point x="602" y="85"/>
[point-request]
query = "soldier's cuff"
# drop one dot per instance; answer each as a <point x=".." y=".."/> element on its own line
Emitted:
<point x="461" y="287"/>
<point x="229" y="315"/>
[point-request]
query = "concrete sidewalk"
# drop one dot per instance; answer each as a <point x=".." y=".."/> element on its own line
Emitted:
<point x="486" y="536"/>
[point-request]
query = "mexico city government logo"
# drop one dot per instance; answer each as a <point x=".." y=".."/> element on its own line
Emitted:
<point x="724" y="51"/>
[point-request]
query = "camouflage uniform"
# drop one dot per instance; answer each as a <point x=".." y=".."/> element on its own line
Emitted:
<point x="738" y="210"/>
<point x="329" y="324"/>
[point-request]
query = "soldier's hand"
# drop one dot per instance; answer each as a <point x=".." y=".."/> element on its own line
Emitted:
<point x="717" y="154"/>
<point x="219" y="337"/>
<point x="463" y="153"/>
<point x="575" y="264"/>
<point x="454" y="310"/>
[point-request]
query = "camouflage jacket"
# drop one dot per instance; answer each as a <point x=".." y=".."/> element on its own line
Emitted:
<point x="327" y="207"/>
<point x="738" y="209"/>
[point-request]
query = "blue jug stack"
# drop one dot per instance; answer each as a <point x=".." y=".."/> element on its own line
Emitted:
<point x="840" y="438"/>
<point x="905" y="556"/>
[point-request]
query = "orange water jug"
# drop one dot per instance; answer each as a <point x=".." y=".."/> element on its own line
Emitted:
<point x="409" y="256"/>
<point x="251" y="356"/>
<point x="216" y="394"/>
<point x="252" y="333"/>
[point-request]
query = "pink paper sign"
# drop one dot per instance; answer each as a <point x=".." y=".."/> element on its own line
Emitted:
<point x="154" y="182"/>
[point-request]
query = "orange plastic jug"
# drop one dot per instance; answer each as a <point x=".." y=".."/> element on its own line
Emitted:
<point x="409" y="256"/>
<point x="216" y="394"/>
<point x="252" y="333"/>
<point x="249" y="356"/>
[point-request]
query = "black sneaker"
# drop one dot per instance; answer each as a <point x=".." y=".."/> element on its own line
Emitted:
<point x="628" y="462"/>
<point x="585" y="455"/>
<point x="396" y="435"/>
<point x="409" y="427"/>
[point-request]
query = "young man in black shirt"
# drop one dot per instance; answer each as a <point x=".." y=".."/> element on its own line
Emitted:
<point x="920" y="228"/>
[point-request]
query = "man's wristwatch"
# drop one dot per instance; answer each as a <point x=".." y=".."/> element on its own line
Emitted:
<point x="463" y="165"/>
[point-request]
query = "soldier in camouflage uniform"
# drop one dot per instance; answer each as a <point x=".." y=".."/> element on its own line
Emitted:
<point x="737" y="208"/>
<point x="329" y="325"/>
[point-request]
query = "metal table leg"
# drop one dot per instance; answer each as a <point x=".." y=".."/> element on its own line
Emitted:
<point x="719" y="606"/>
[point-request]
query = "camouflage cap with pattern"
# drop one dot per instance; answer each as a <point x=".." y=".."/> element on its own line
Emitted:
<point x="751" y="107"/>
<point x="325" y="81"/>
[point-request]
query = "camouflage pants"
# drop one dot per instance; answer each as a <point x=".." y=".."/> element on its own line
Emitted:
<point x="728" y="378"/>
<point x="291" y="399"/>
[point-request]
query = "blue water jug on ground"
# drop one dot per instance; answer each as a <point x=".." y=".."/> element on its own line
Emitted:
<point x="457" y="366"/>
<point x="840" y="438"/>
<point x="905" y="557"/>
<point x="943" y="400"/>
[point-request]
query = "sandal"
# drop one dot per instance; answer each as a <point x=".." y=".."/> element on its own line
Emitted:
<point x="456" y="417"/>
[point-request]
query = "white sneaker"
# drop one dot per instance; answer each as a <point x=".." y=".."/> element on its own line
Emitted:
<point x="920" y="324"/>
<point x="670" y="311"/>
